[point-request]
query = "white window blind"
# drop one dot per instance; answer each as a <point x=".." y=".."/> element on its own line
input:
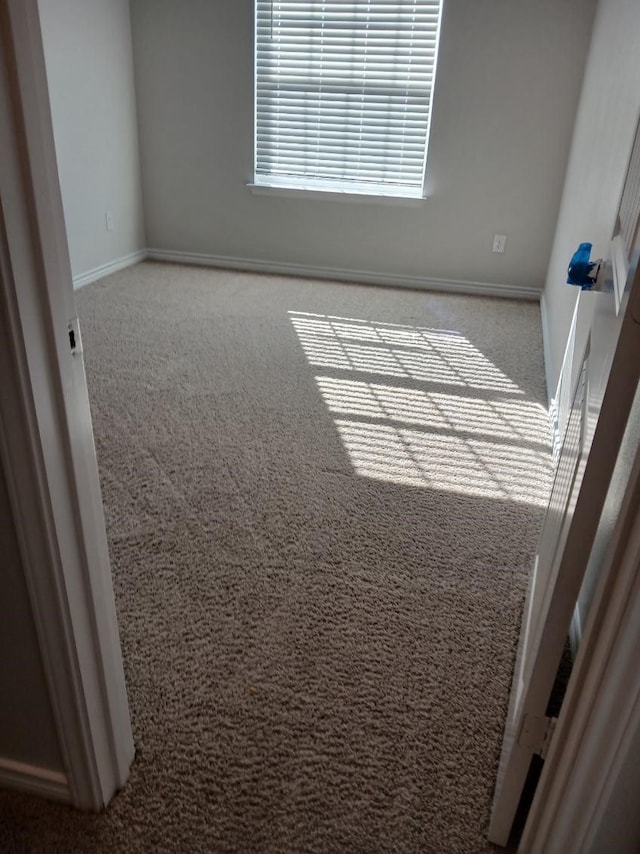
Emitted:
<point x="343" y="94"/>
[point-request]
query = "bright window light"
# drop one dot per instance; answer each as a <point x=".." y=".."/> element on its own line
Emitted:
<point x="426" y="408"/>
<point x="343" y="94"/>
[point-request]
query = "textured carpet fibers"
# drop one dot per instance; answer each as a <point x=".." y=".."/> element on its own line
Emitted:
<point x="322" y="503"/>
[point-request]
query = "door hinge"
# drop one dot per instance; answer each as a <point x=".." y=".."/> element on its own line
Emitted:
<point x="75" y="341"/>
<point x="536" y="733"/>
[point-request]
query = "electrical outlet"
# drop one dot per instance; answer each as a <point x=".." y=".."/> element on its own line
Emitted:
<point x="108" y="220"/>
<point x="499" y="243"/>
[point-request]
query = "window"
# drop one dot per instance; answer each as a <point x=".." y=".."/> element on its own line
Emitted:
<point x="343" y="94"/>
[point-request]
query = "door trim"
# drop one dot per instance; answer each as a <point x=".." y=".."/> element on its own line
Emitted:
<point x="46" y="437"/>
<point x="568" y="562"/>
<point x="601" y="712"/>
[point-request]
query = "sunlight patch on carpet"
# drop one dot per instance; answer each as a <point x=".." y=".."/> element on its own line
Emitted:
<point x="484" y="437"/>
<point x="427" y="355"/>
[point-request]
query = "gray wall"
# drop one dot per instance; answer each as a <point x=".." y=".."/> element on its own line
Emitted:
<point x="508" y="82"/>
<point x="89" y="62"/>
<point x="27" y="729"/>
<point x="605" y="124"/>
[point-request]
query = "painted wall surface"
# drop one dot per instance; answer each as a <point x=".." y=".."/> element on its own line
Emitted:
<point x="605" y="125"/>
<point x="88" y="54"/>
<point x="508" y="82"/>
<point x="27" y="729"/>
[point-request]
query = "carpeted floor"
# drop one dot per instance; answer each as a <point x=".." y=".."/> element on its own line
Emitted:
<point x="322" y="503"/>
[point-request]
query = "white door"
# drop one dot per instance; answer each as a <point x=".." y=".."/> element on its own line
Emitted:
<point x="605" y="372"/>
<point x="46" y="443"/>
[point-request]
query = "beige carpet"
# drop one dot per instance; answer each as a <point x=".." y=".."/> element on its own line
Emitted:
<point x="322" y="504"/>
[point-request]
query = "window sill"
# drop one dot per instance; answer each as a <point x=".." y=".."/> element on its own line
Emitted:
<point x="366" y="197"/>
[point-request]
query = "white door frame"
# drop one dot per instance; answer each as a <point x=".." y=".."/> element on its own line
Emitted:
<point x="553" y="594"/>
<point x="600" y="716"/>
<point x="46" y="437"/>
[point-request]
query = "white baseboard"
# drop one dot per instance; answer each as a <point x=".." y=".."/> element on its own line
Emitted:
<point x="368" y="277"/>
<point x="554" y="425"/>
<point x="546" y="348"/>
<point x="34" y="780"/>
<point x="110" y="267"/>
